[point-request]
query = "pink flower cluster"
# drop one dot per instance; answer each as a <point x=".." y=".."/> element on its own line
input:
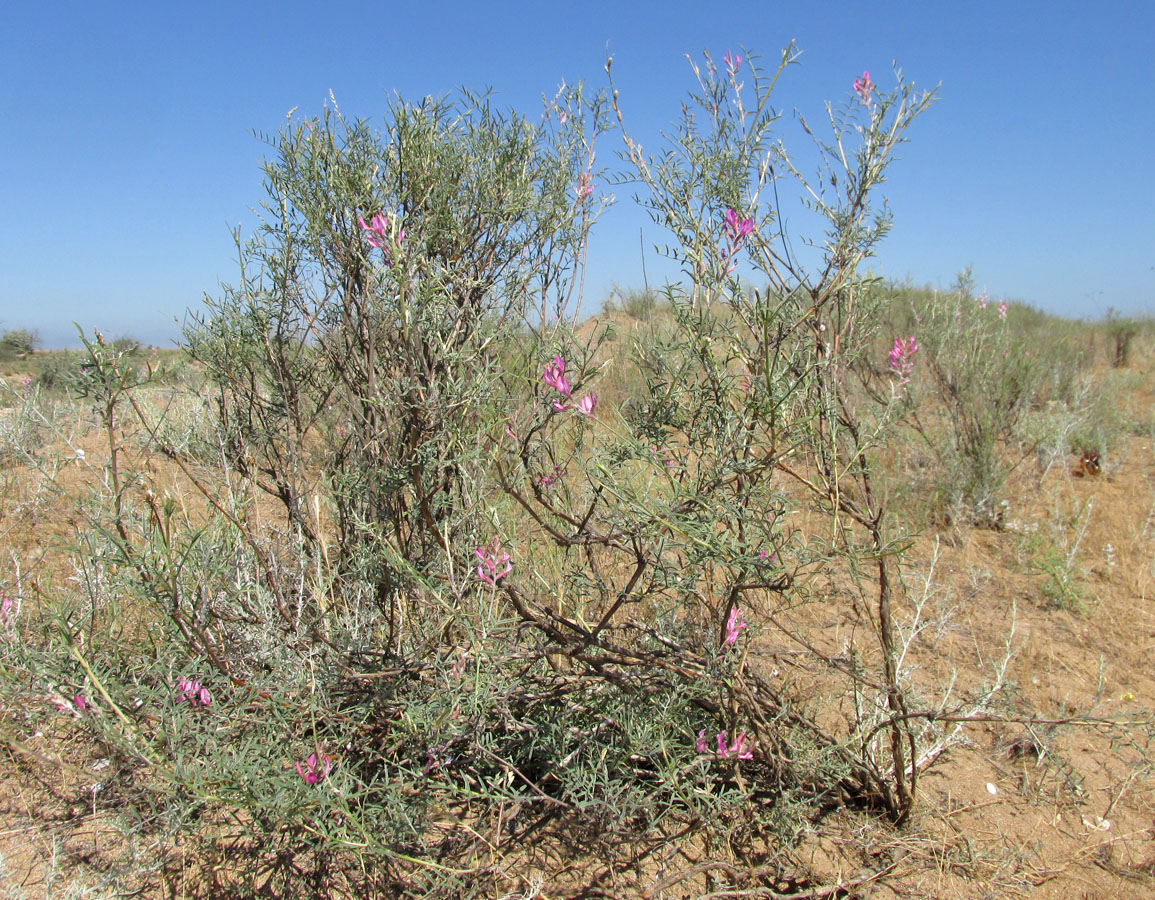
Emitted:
<point x="732" y="61"/>
<point x="902" y="358"/>
<point x="734" y="626"/>
<point x="554" y="377"/>
<point x="1003" y="308"/>
<point x="663" y="454"/>
<point x="739" y="748"/>
<point x="381" y="233"/>
<point x="316" y="767"/>
<point x="495" y="564"/>
<point x="547" y="481"/>
<point x="6" y="618"/>
<point x="737" y="230"/>
<point x="584" y="187"/>
<point x="864" y="87"/>
<point x="192" y="692"/>
<point x="436" y="757"/>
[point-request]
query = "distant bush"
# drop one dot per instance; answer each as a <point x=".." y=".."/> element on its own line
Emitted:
<point x="127" y="345"/>
<point x="637" y="303"/>
<point x="981" y="382"/>
<point x="60" y="370"/>
<point x="1122" y="332"/>
<point x="17" y="343"/>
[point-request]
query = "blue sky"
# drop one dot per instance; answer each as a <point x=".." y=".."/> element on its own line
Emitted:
<point x="128" y="153"/>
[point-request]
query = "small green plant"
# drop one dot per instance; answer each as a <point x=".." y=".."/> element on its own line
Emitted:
<point x="1054" y="552"/>
<point x="21" y="433"/>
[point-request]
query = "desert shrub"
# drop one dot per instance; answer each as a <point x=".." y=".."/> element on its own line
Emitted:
<point x="493" y="608"/>
<point x="982" y="383"/>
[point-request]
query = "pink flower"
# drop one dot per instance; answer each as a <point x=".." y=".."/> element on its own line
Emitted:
<point x="5" y="612"/>
<point x="587" y="404"/>
<point x="316" y="767"/>
<point x="585" y="186"/>
<point x="734" y="626"/>
<point x="76" y="704"/>
<point x="732" y="62"/>
<point x="554" y="376"/>
<point x="436" y="757"/>
<point x="863" y="87"/>
<point x="664" y="455"/>
<point x="495" y="564"/>
<point x="379" y="234"/>
<point x="547" y="480"/>
<point x="983" y="300"/>
<point x="192" y="692"/>
<point x="901" y="358"/>
<point x="377" y="228"/>
<point x="1003" y="307"/>
<point x="737" y="230"/>
<point x="739" y="749"/>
